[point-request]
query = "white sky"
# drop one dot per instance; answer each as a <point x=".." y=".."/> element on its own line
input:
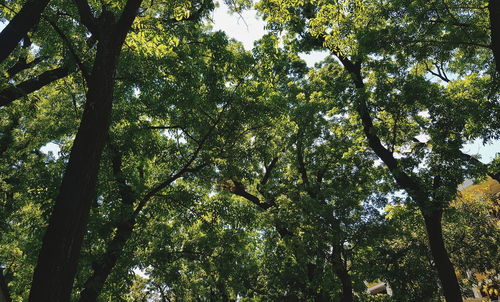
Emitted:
<point x="247" y="27"/>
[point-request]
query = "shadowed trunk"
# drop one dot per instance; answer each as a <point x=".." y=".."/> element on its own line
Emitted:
<point x="58" y="258"/>
<point x="4" y="289"/>
<point x="345" y="279"/>
<point x="103" y="267"/>
<point x="20" y="25"/>
<point x="444" y="267"/>
<point x="340" y="270"/>
<point x="410" y="183"/>
<point x="494" y="11"/>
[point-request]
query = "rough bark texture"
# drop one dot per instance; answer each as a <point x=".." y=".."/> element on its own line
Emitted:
<point x="20" y="25"/>
<point x="58" y="258"/>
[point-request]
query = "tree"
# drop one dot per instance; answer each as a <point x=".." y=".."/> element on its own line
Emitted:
<point x="60" y="251"/>
<point x="387" y="93"/>
<point x="193" y="170"/>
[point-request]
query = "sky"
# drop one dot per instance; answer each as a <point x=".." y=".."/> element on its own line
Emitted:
<point x="248" y="27"/>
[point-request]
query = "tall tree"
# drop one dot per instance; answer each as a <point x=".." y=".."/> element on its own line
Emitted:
<point x="349" y="30"/>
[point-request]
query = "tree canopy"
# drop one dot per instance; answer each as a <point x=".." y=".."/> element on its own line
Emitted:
<point x="192" y="169"/>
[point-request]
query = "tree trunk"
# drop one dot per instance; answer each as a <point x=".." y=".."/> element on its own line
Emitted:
<point x="104" y="266"/>
<point x="494" y="11"/>
<point x="444" y="267"/>
<point x="20" y="25"/>
<point x="58" y="258"/>
<point x="344" y="277"/>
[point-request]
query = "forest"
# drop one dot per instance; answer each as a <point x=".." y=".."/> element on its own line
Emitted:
<point x="145" y="156"/>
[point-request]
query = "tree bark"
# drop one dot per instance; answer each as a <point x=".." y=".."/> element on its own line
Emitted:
<point x="345" y="280"/>
<point x="4" y="289"/>
<point x="103" y="267"/>
<point x="444" y="267"/>
<point x="58" y="258"/>
<point x="494" y="11"/>
<point x="20" y="25"/>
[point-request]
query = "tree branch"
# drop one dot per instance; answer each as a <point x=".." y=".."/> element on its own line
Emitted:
<point x="475" y="161"/>
<point x="70" y="47"/>
<point x="10" y="94"/>
<point x="20" y="25"/>
<point x="269" y="169"/>
<point x="87" y="18"/>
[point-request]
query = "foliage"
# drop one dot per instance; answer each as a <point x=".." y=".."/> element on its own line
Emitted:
<point x="234" y="175"/>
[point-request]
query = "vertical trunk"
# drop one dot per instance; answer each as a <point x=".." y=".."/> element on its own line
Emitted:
<point x="344" y="277"/>
<point x="444" y="267"/>
<point x="58" y="258"/>
<point x="4" y="289"/>
<point x="19" y="26"/>
<point x="494" y="11"/>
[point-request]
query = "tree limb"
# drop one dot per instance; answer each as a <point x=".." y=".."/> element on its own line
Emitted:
<point x="20" y="25"/>
<point x="12" y="93"/>
<point x="87" y="17"/>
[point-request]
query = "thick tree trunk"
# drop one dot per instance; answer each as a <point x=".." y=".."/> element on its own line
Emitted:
<point x="444" y="267"/>
<point x="20" y="25"/>
<point x="345" y="279"/>
<point x="58" y="258"/>
<point x="494" y="11"/>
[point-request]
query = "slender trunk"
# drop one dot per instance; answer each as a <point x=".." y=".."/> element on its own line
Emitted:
<point x="444" y="267"/>
<point x="494" y="11"/>
<point x="4" y="289"/>
<point x="58" y="258"/>
<point x="104" y="266"/>
<point x="342" y="273"/>
<point x="411" y="185"/>
<point x="20" y="25"/>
